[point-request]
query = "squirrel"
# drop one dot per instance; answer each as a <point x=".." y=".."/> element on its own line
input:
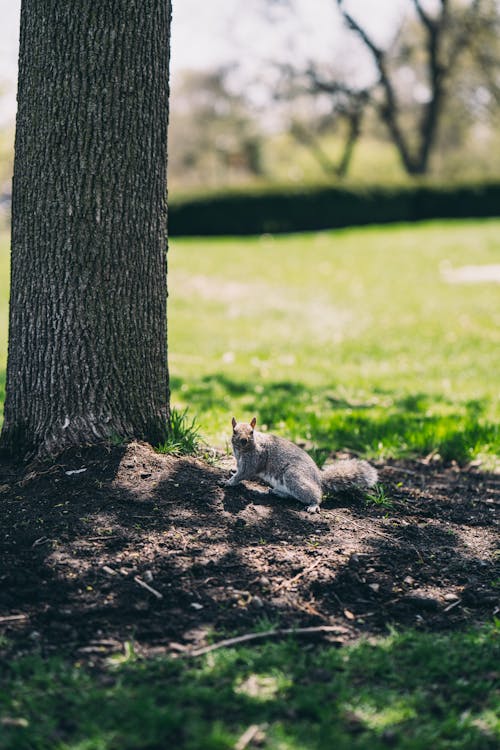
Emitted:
<point x="290" y="471"/>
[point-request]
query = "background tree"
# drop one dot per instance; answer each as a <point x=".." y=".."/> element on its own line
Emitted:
<point x="437" y="49"/>
<point x="344" y="116"/>
<point x="445" y="37"/>
<point x="87" y="329"/>
<point x="212" y="134"/>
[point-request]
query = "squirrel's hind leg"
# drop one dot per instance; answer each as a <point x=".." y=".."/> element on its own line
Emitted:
<point x="306" y="492"/>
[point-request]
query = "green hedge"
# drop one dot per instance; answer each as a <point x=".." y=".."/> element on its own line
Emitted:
<point x="296" y="210"/>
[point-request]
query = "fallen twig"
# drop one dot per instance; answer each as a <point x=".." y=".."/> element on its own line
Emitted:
<point x="102" y="538"/>
<point x="13" y="618"/>
<point x="278" y="633"/>
<point x="308" y="608"/>
<point x="305" y="571"/>
<point x="374" y="531"/>
<point x="247" y="736"/>
<point x="148" y="587"/>
<point x="34" y="473"/>
<point x="337" y="599"/>
<point x="41" y="540"/>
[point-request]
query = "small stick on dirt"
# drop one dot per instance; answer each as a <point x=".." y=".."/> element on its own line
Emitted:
<point x="247" y="737"/>
<point x="310" y="610"/>
<point x="453" y="604"/>
<point x="279" y="633"/>
<point x="41" y="540"/>
<point x="13" y="618"/>
<point x="419" y="555"/>
<point x="148" y="587"/>
<point x="35" y="473"/>
<point x="291" y="581"/>
<point x="101" y="538"/>
<point x="374" y="531"/>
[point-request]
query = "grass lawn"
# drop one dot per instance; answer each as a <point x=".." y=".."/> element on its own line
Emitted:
<point x="347" y="339"/>
<point x="351" y="339"/>
<point x="412" y="691"/>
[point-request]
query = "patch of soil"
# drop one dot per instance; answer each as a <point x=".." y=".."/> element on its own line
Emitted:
<point x="117" y="545"/>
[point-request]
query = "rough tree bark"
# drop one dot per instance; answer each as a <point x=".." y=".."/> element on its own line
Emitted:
<point x="87" y="331"/>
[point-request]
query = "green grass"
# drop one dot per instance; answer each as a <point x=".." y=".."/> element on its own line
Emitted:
<point x="378" y="497"/>
<point x="183" y="438"/>
<point x="346" y="339"/>
<point x="349" y="339"/>
<point x="414" y="691"/>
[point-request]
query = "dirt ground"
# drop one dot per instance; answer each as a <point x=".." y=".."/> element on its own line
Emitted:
<point x="121" y="546"/>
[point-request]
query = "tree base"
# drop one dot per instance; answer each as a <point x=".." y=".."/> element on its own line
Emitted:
<point x="20" y="445"/>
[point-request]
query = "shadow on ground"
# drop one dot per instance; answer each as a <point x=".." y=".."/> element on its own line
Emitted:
<point x="388" y="423"/>
<point x="121" y="545"/>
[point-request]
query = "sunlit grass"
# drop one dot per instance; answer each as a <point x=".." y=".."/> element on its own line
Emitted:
<point x="183" y="437"/>
<point x="349" y="338"/>
<point x="343" y="339"/>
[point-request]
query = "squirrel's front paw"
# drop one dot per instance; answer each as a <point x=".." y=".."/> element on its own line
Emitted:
<point x="314" y="508"/>
<point x="231" y="481"/>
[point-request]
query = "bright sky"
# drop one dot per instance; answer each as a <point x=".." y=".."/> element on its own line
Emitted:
<point x="205" y="34"/>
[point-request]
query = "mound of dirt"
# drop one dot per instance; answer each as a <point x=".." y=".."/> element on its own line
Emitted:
<point x="121" y="545"/>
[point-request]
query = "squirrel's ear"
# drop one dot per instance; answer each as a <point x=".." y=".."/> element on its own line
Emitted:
<point x="233" y="422"/>
<point x="253" y="423"/>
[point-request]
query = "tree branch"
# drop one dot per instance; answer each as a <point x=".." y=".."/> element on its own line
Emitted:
<point x="467" y="29"/>
<point x="354" y="26"/>
<point x="389" y="109"/>
<point x="428" y="22"/>
<point x="320" y="630"/>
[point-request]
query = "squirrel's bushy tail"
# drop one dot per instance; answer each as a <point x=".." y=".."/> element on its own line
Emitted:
<point x="347" y="475"/>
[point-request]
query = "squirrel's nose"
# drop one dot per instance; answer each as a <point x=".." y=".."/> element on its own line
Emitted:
<point x="244" y="441"/>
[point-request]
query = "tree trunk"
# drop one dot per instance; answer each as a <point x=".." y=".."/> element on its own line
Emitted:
<point x="354" y="120"/>
<point x="87" y="331"/>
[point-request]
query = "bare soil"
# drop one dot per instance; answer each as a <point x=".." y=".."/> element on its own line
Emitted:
<point x="121" y="545"/>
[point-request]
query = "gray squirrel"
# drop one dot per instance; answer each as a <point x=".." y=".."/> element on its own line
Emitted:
<point x="290" y="471"/>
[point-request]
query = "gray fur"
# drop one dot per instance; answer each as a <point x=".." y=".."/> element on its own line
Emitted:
<point x="290" y="471"/>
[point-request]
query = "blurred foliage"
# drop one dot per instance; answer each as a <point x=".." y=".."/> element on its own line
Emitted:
<point x="409" y="691"/>
<point x="222" y="136"/>
<point x="6" y="160"/>
<point x="213" y="137"/>
<point x="322" y="122"/>
<point x="433" y="90"/>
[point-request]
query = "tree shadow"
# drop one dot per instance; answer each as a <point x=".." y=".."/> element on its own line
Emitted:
<point x="426" y="691"/>
<point x="387" y="421"/>
<point x="210" y="559"/>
